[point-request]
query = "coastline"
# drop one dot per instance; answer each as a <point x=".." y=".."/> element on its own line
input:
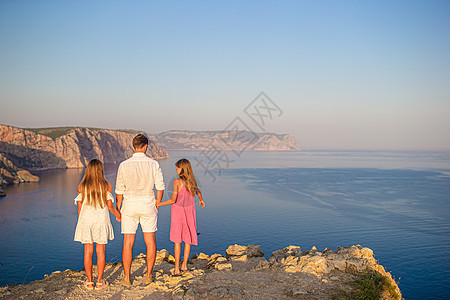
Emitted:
<point x="244" y="273"/>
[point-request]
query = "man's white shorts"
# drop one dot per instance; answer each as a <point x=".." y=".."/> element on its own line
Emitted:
<point x="131" y="223"/>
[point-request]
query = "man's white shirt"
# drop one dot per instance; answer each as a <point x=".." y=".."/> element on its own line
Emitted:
<point x="136" y="178"/>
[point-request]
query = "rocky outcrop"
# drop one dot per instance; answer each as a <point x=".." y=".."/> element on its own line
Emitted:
<point x="227" y="140"/>
<point x="243" y="274"/>
<point x="10" y="173"/>
<point x="65" y="147"/>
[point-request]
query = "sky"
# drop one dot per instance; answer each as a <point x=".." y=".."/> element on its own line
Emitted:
<point x="369" y="75"/>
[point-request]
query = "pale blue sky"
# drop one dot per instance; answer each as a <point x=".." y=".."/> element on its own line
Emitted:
<point x="347" y="74"/>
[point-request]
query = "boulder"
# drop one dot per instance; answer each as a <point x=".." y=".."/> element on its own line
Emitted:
<point x="223" y="267"/>
<point x="249" y="251"/>
<point x="278" y="255"/>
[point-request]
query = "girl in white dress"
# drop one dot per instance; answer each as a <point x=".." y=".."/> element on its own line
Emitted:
<point x="94" y="226"/>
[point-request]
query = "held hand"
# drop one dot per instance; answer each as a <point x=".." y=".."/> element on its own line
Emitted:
<point x="202" y="204"/>
<point x="119" y="218"/>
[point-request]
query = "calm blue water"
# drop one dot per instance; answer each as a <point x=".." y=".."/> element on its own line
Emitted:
<point x="396" y="203"/>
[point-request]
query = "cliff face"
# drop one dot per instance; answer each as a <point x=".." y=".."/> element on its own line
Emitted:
<point x="227" y="140"/>
<point x="2" y="182"/>
<point x="49" y="148"/>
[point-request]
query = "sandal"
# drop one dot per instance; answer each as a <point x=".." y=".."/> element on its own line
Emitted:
<point x="148" y="280"/>
<point x="89" y="285"/>
<point x="126" y="283"/>
<point x="101" y="285"/>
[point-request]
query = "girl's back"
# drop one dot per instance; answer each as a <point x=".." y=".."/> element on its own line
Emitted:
<point x="184" y="198"/>
<point x="183" y="225"/>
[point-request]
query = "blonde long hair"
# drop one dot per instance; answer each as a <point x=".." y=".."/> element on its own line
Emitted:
<point x="187" y="175"/>
<point x="94" y="185"/>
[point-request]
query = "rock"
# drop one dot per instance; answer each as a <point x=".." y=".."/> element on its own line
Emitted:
<point x="367" y="253"/>
<point x="213" y="258"/>
<point x="26" y="176"/>
<point x="340" y="264"/>
<point x="278" y="255"/>
<point x="249" y="251"/>
<point x="221" y="259"/>
<point x="162" y="255"/>
<point x="239" y="258"/>
<point x="315" y="265"/>
<point x="223" y="267"/>
<point x="202" y="256"/>
<point x="171" y="259"/>
<point x="263" y="264"/>
<point x="350" y="252"/>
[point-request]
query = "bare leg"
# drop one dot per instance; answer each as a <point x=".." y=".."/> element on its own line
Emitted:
<point x="127" y="254"/>
<point x="150" y="242"/>
<point x="177" y="250"/>
<point x="101" y="260"/>
<point x="88" y="252"/>
<point x="187" y="250"/>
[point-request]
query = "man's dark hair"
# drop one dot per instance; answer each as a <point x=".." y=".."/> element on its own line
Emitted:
<point x="140" y="141"/>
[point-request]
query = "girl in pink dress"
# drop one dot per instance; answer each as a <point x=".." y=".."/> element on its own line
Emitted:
<point x="183" y="227"/>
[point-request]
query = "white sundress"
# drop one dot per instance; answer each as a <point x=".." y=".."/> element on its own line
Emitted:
<point x="94" y="225"/>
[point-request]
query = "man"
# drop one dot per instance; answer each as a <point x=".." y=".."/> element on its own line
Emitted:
<point x="136" y="178"/>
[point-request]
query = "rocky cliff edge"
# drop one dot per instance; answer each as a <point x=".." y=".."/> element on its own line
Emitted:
<point x="244" y="273"/>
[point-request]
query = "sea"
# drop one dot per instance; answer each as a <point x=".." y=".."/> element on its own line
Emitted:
<point x="395" y="202"/>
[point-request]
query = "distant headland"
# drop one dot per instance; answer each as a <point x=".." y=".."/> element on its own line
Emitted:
<point x="227" y="140"/>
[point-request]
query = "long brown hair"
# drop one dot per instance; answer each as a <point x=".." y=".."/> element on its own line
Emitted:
<point x="187" y="175"/>
<point x="94" y="185"/>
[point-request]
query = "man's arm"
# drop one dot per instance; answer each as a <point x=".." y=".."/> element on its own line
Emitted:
<point x="119" y="199"/>
<point x="159" y="195"/>
<point x="159" y="184"/>
<point x="120" y="188"/>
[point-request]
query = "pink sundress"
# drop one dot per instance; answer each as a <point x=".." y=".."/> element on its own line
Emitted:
<point x="183" y="225"/>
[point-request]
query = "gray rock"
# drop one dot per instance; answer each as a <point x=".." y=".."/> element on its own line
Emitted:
<point x="278" y="255"/>
<point x="263" y="264"/>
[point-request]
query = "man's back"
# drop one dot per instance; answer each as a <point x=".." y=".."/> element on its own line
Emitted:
<point x="137" y="176"/>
